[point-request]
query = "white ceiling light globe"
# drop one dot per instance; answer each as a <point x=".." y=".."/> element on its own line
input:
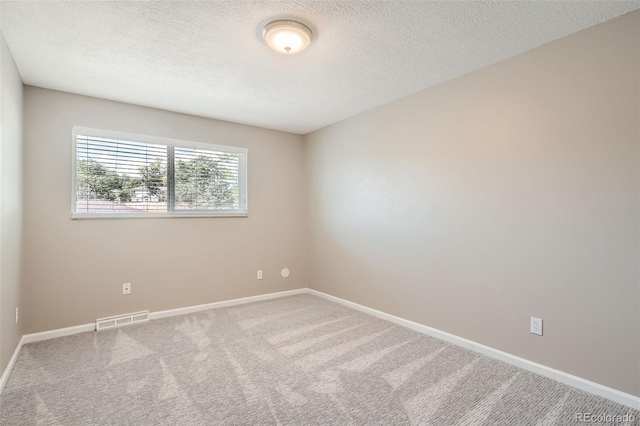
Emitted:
<point x="287" y="37"/>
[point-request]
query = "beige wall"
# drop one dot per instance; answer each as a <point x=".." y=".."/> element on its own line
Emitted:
<point x="10" y="202"/>
<point x="507" y="193"/>
<point x="74" y="269"/>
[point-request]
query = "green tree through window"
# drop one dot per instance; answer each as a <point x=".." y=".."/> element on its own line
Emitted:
<point x="120" y="176"/>
<point x="202" y="183"/>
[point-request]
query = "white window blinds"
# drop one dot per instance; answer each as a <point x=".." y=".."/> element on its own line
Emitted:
<point x="133" y="175"/>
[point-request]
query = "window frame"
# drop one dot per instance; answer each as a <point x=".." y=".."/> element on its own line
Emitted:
<point x="243" y="189"/>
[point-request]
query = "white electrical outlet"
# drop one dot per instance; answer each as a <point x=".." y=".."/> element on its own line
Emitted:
<point x="260" y="274"/>
<point x="126" y="288"/>
<point x="284" y="273"/>
<point x="16" y="315"/>
<point x="536" y="326"/>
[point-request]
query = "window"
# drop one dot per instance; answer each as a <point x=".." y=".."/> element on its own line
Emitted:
<point x="120" y="175"/>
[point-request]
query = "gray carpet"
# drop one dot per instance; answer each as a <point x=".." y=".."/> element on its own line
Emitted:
<point x="299" y="360"/>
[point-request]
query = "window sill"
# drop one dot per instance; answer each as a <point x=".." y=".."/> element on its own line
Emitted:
<point x="155" y="215"/>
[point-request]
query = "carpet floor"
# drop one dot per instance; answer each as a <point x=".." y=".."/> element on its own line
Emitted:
<point x="299" y="360"/>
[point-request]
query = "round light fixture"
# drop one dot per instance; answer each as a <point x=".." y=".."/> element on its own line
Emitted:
<point x="287" y="37"/>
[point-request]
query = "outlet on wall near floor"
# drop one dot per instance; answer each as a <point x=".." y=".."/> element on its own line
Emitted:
<point x="284" y="273"/>
<point x="536" y="326"/>
<point x="259" y="275"/>
<point x="16" y="315"/>
<point x="126" y="288"/>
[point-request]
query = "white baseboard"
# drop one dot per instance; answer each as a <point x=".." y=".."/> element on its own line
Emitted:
<point x="566" y="378"/>
<point x="560" y="376"/>
<point x="59" y="332"/>
<point x="7" y="371"/>
<point x="225" y="303"/>
<point x="67" y="331"/>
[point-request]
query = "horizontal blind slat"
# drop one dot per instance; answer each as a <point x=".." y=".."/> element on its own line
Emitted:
<point x="115" y="176"/>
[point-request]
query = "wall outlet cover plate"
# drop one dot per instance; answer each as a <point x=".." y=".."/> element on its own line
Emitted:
<point x="536" y="326"/>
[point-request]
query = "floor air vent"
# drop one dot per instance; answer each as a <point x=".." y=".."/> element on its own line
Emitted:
<point x="121" y="320"/>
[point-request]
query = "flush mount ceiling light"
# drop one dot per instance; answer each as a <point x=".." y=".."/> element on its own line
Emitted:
<point x="287" y="37"/>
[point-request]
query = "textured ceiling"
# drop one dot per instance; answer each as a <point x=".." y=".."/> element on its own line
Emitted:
<point x="209" y="59"/>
